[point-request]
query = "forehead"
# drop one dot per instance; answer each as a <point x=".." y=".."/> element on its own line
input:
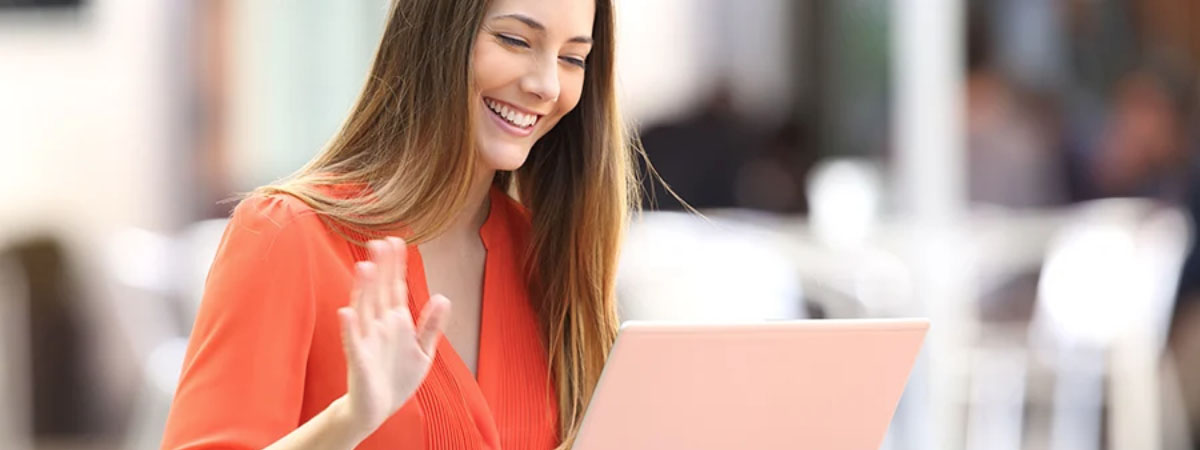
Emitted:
<point x="561" y="17"/>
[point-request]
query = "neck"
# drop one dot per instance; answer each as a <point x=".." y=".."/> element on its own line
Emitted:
<point x="467" y="222"/>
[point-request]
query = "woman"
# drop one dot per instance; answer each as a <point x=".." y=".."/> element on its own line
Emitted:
<point x="305" y="338"/>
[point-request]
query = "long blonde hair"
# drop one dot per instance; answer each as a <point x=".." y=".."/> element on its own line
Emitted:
<point x="408" y="140"/>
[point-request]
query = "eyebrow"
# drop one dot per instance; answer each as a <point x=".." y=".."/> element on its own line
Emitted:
<point x="529" y="21"/>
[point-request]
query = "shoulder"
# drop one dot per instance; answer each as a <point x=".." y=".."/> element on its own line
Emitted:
<point x="272" y="213"/>
<point x="281" y="210"/>
<point x="277" y="223"/>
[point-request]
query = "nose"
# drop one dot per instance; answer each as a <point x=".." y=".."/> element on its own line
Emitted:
<point x="542" y="81"/>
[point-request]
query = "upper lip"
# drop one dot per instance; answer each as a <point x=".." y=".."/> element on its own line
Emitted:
<point x="515" y="107"/>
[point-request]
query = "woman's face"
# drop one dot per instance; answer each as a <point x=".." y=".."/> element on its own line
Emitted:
<point x="528" y="64"/>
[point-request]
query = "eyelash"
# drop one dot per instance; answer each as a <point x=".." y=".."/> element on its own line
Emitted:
<point x="514" y="42"/>
<point x="576" y="62"/>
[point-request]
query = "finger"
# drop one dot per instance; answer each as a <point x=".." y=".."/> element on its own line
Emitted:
<point x="351" y="334"/>
<point x="433" y="319"/>
<point x="366" y="292"/>
<point x="400" y="266"/>
<point x="381" y="255"/>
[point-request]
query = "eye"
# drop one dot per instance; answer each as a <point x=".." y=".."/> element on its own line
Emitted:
<point x="578" y="62"/>
<point x="509" y="40"/>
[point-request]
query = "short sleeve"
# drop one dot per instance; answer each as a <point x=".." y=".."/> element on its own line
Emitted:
<point x="242" y="382"/>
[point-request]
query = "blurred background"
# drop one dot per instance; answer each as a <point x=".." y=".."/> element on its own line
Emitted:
<point x="1022" y="172"/>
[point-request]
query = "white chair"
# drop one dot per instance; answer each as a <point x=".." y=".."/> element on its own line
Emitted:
<point x="1105" y="299"/>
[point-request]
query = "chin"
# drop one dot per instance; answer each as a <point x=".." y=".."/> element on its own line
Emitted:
<point x="503" y="156"/>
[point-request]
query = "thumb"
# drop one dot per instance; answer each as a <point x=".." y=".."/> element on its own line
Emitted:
<point x="433" y="319"/>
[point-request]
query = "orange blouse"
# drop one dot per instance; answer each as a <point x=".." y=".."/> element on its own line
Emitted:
<point x="265" y="354"/>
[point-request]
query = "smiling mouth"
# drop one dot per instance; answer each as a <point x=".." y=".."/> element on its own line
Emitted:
<point x="510" y="115"/>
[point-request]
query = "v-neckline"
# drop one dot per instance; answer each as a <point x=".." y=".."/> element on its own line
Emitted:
<point x="418" y="274"/>
<point x="470" y="386"/>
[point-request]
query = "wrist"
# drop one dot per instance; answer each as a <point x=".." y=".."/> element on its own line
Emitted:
<point x="343" y="420"/>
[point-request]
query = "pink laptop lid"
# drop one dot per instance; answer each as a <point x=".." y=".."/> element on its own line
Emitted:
<point x="819" y="384"/>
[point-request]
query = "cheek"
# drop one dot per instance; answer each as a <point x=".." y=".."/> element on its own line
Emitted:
<point x="572" y="90"/>
<point x="493" y="67"/>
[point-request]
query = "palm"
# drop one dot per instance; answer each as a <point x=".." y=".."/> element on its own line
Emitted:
<point x="387" y="356"/>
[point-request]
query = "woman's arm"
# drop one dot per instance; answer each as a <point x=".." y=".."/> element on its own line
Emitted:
<point x="333" y="428"/>
<point x="243" y="378"/>
<point x="242" y="381"/>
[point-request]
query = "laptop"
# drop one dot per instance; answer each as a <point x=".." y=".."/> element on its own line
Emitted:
<point x="816" y="384"/>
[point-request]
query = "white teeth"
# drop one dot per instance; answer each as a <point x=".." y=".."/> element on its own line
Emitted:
<point x="516" y="118"/>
